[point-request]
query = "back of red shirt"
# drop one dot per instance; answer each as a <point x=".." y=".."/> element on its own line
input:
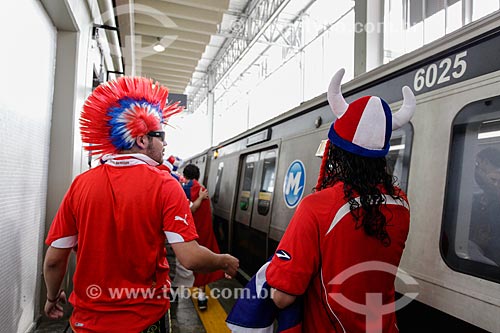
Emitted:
<point x="120" y="216"/>
<point x="346" y="276"/>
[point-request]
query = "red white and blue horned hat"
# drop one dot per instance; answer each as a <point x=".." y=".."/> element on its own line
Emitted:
<point x="364" y="127"/>
<point x="119" y="111"/>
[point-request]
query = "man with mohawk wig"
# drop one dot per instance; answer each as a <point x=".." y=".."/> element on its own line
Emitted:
<point x="344" y="243"/>
<point x="118" y="216"/>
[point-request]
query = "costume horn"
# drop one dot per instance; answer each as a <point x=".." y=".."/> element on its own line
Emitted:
<point x="407" y="109"/>
<point x="335" y="98"/>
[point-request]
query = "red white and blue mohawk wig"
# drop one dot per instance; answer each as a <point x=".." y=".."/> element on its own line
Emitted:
<point x="119" y="111"/>
<point x="363" y="127"/>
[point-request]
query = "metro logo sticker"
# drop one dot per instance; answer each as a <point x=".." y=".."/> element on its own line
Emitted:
<point x="295" y="180"/>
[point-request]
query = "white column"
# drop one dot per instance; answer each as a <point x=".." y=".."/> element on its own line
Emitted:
<point x="466" y="12"/>
<point x="369" y="35"/>
<point x="360" y="52"/>
<point x="210" y="106"/>
<point x="375" y="34"/>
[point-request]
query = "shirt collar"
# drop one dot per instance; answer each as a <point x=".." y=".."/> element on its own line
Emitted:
<point x="120" y="160"/>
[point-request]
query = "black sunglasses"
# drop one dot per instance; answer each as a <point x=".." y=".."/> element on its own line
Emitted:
<point x="157" y="134"/>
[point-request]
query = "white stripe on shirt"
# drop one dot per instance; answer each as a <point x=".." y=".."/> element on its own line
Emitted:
<point x="346" y="208"/>
<point x="65" y="242"/>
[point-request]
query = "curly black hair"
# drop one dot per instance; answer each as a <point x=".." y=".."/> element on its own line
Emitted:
<point x="362" y="176"/>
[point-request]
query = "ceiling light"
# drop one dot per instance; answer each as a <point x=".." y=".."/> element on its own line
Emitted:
<point x="158" y="47"/>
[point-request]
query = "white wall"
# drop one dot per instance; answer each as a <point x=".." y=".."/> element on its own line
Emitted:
<point x="27" y="65"/>
<point x="46" y="66"/>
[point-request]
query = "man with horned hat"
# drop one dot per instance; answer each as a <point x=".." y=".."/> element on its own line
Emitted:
<point x="118" y="216"/>
<point x="344" y="243"/>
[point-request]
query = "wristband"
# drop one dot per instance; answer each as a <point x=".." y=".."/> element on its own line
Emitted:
<point x="55" y="299"/>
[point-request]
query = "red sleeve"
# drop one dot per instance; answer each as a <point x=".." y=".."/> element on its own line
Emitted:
<point x="178" y="223"/>
<point x="63" y="232"/>
<point x="296" y="259"/>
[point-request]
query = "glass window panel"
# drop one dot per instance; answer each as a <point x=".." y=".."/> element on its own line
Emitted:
<point x="218" y="181"/>
<point x="470" y="239"/>
<point x="481" y="8"/>
<point x="313" y="69"/>
<point x="341" y="33"/>
<point x="414" y="37"/>
<point x="434" y="6"/>
<point x="398" y="158"/>
<point x="415" y="12"/>
<point x="434" y="24"/>
<point x="268" y="173"/>
<point x="393" y="30"/>
<point x="453" y="15"/>
<point x="248" y="176"/>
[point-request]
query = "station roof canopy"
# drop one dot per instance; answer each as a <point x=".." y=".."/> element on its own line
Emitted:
<point x="190" y="32"/>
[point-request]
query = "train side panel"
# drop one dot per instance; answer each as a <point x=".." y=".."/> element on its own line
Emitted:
<point x="301" y="148"/>
<point x="464" y="296"/>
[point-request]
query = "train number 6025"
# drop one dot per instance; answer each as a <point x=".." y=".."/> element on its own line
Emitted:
<point x="436" y="75"/>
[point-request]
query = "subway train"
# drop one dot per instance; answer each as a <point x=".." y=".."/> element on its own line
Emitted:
<point x="449" y="267"/>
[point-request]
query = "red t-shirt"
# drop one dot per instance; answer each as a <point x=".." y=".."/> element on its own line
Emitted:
<point x="203" y="222"/>
<point x="119" y="216"/>
<point x="323" y="253"/>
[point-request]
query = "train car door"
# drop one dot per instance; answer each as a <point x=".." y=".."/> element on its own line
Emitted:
<point x="253" y="209"/>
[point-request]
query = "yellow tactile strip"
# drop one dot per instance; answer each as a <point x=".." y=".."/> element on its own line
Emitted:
<point x="214" y="318"/>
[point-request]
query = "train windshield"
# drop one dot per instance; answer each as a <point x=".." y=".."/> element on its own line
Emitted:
<point x="470" y="238"/>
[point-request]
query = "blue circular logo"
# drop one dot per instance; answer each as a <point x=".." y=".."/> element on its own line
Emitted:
<point x="295" y="180"/>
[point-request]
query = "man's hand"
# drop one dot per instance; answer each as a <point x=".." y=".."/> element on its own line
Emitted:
<point x="53" y="308"/>
<point x="200" y="259"/>
<point x="54" y="268"/>
<point x="203" y="193"/>
<point x="230" y="265"/>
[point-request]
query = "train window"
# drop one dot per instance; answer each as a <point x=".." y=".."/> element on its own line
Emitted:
<point x="470" y="237"/>
<point x="267" y="183"/>
<point x="268" y="172"/>
<point x="247" y="182"/>
<point x="398" y="158"/>
<point x="248" y="176"/>
<point x="218" y="181"/>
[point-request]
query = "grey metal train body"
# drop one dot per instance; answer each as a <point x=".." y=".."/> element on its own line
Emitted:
<point x="256" y="179"/>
